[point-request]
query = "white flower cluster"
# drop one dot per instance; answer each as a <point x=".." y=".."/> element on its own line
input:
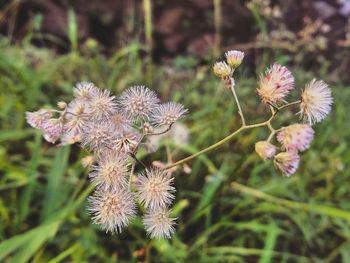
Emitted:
<point x="113" y="129"/>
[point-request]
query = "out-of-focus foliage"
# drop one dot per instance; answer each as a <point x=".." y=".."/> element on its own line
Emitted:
<point x="232" y="207"/>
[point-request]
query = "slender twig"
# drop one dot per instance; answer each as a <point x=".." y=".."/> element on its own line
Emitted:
<point x="266" y="123"/>
<point x="160" y="133"/>
<point x="137" y="160"/>
<point x="131" y="174"/>
<point x="240" y="112"/>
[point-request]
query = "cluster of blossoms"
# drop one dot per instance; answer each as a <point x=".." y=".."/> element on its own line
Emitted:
<point x="113" y="129"/>
<point x="315" y="104"/>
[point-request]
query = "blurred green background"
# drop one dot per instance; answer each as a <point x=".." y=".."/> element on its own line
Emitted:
<point x="232" y="207"/>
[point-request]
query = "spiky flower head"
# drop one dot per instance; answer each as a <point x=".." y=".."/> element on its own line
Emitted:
<point x="276" y="84"/>
<point x="138" y="102"/>
<point x="98" y="135"/>
<point x="77" y="117"/>
<point x="316" y="102"/>
<point x="88" y="161"/>
<point x="158" y="223"/>
<point x="265" y="150"/>
<point x="112" y="209"/>
<point x="287" y="162"/>
<point x="222" y="69"/>
<point x="37" y="118"/>
<point x="127" y="141"/>
<point x="102" y="105"/>
<point x="121" y="122"/>
<point x="234" y="58"/>
<point x="168" y="113"/>
<point x="85" y="91"/>
<point x="111" y="171"/>
<point x="296" y="137"/>
<point x="155" y="188"/>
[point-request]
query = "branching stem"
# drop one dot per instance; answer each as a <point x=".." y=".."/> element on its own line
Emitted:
<point x="244" y="127"/>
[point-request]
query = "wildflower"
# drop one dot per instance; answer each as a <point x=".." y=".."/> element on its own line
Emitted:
<point x="76" y="117"/>
<point x="52" y="129"/>
<point x="222" y="69"/>
<point x="276" y="84"/>
<point x="120" y="121"/>
<point x="158" y="223"/>
<point x="296" y="137"/>
<point x="265" y="149"/>
<point x="179" y="134"/>
<point x="102" y="105"/>
<point x="111" y="171"/>
<point x="85" y="91"/>
<point x="98" y="135"/>
<point x="127" y="141"/>
<point x="168" y="113"/>
<point x="70" y="137"/>
<point x="138" y="102"/>
<point x="112" y="209"/>
<point x="155" y="188"/>
<point x="316" y="101"/>
<point x="234" y="58"/>
<point x="287" y="162"/>
<point x="37" y="118"/>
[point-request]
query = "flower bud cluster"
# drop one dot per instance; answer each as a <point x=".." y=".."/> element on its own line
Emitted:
<point x="274" y="86"/>
<point x="113" y="129"/>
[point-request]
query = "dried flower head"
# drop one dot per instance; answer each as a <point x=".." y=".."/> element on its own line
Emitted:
<point x="37" y="118"/>
<point x="158" y="223"/>
<point x="296" y="137"/>
<point x="127" y="141"/>
<point x="276" y="84"/>
<point x="52" y="129"/>
<point x="287" y="162"/>
<point x="138" y="102"/>
<point x="112" y="209"/>
<point x="77" y="117"/>
<point x="234" y="58"/>
<point x="155" y="188"/>
<point x="121" y="122"/>
<point x="222" y="69"/>
<point x="316" y="102"/>
<point x="111" y="171"/>
<point x="102" y="105"/>
<point x="98" y="135"/>
<point x="167" y="113"/>
<point x="85" y="91"/>
<point x="265" y="150"/>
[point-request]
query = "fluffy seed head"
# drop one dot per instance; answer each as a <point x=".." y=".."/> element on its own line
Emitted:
<point x="102" y="105"/>
<point x="276" y="84"/>
<point x="158" y="223"/>
<point x="222" y="69"/>
<point x="138" y="102"/>
<point x="296" y="137"/>
<point x="155" y="188"/>
<point x="265" y="150"/>
<point x="234" y="58"/>
<point x="77" y="117"/>
<point x="85" y="91"/>
<point x="316" y="102"/>
<point x="112" y="209"/>
<point x="37" y="118"/>
<point x="111" y="171"/>
<point x="168" y="113"/>
<point x="287" y="162"/>
<point x="126" y="141"/>
<point x="98" y="135"/>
